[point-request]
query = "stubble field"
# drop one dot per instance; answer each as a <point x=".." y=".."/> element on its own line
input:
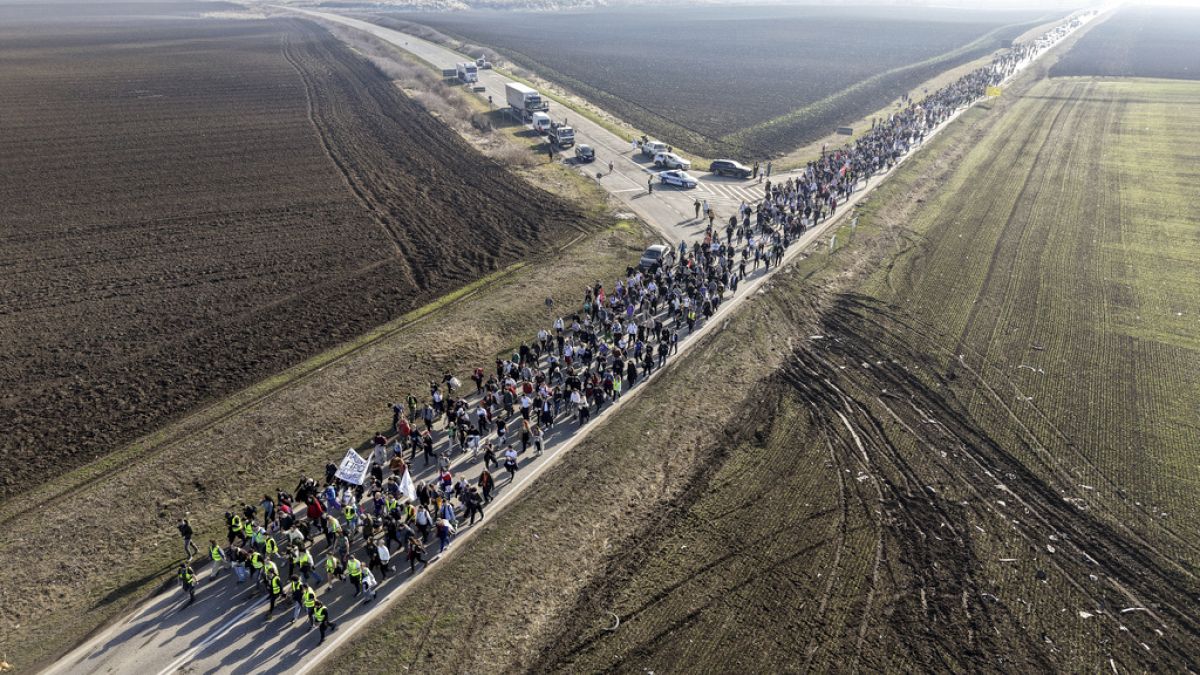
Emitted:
<point x="736" y="81"/>
<point x="193" y="204"/>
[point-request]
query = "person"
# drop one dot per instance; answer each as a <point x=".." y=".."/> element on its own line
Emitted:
<point x="275" y="590"/>
<point x="304" y="560"/>
<point x="256" y="565"/>
<point x="486" y="484"/>
<point x="187" y="580"/>
<point x="696" y="207"/>
<point x="309" y="598"/>
<point x="510" y="463"/>
<point x="416" y="554"/>
<point x="445" y="532"/>
<point x="321" y="617"/>
<point x="296" y="588"/>
<point x="218" y="558"/>
<point x="333" y="567"/>
<point x="354" y="570"/>
<point x="189" y="547"/>
<point x="650" y="185"/>
<point x="474" y="504"/>
<point x="369" y="585"/>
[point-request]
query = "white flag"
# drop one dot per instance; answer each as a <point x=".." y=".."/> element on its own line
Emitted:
<point x="353" y="468"/>
<point x="407" y="488"/>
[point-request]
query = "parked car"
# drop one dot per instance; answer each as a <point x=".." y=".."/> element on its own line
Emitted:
<point x="670" y="160"/>
<point x="728" y="167"/>
<point x="541" y="122"/>
<point x="652" y="256"/>
<point x="652" y="148"/>
<point x="585" y="153"/>
<point x="677" y="178"/>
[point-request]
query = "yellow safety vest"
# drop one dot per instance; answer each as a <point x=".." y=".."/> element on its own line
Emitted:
<point x="354" y="567"/>
<point x="272" y="547"/>
<point x="248" y="528"/>
<point x="272" y="569"/>
<point x="330" y="564"/>
<point x="310" y="597"/>
<point x="256" y="560"/>
<point x="235" y="524"/>
<point x="215" y="552"/>
<point x="275" y="589"/>
<point x="187" y="576"/>
<point x="319" y="614"/>
<point x="304" y="559"/>
<point x="295" y="585"/>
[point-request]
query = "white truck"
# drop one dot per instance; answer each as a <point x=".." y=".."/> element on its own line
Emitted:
<point x="561" y="135"/>
<point x="467" y="72"/>
<point x="523" y="100"/>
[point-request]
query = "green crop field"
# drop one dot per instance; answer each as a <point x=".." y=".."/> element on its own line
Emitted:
<point x="983" y="454"/>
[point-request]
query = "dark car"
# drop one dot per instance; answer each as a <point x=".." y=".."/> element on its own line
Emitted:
<point x="728" y="167"/>
<point x="585" y="153"/>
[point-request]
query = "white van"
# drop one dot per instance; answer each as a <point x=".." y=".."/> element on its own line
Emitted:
<point x="541" y="122"/>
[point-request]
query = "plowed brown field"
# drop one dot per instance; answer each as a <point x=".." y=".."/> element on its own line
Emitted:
<point x="192" y="204"/>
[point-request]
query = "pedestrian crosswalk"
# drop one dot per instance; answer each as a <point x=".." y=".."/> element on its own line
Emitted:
<point x="737" y="193"/>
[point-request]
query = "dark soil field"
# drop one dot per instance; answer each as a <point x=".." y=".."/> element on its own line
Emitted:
<point x="193" y="204"/>
<point x="1139" y="42"/>
<point x="745" y="81"/>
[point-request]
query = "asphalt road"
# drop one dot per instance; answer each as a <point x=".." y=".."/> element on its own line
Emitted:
<point x="226" y="629"/>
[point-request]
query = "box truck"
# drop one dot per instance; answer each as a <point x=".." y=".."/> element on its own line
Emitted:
<point x="524" y="101"/>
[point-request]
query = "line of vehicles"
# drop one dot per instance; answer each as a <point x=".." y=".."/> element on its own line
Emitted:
<point x="526" y="104"/>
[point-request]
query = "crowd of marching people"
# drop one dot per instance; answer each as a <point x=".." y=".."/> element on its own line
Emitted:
<point x="814" y="194"/>
<point x="293" y="546"/>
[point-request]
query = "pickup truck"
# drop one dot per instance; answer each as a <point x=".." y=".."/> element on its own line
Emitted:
<point x="652" y="148"/>
<point x="670" y="160"/>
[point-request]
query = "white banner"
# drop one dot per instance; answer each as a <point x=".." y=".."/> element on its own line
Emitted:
<point x="407" y="488"/>
<point x="353" y="468"/>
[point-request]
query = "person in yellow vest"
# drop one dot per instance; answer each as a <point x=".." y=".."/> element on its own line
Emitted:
<point x="187" y="579"/>
<point x="270" y="546"/>
<point x="309" y="598"/>
<point x="259" y="537"/>
<point x="270" y="569"/>
<point x="350" y="512"/>
<point x="334" y="567"/>
<point x="332" y="529"/>
<point x="275" y="588"/>
<point x="296" y="588"/>
<point x="322" y="619"/>
<point x="256" y="565"/>
<point x="247" y="531"/>
<point x="304" y="560"/>
<point x="235" y="526"/>
<point x="354" y="570"/>
<point x="218" y="557"/>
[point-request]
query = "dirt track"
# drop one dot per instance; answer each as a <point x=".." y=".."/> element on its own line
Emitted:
<point x="193" y="205"/>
